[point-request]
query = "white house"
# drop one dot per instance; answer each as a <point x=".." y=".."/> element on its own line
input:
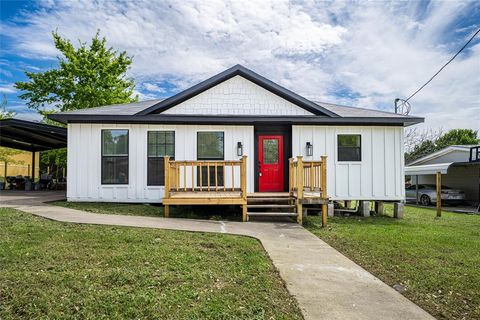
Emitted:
<point x="115" y="153"/>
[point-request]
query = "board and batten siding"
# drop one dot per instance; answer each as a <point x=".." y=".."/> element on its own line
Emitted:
<point x="378" y="176"/>
<point x="84" y="159"/>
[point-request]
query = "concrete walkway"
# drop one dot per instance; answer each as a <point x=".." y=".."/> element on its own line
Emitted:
<point x="326" y="284"/>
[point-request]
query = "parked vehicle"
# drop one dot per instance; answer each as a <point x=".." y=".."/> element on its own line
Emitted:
<point x="427" y="194"/>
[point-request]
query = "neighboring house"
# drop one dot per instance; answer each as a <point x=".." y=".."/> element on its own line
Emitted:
<point x="459" y="167"/>
<point x="115" y="153"/>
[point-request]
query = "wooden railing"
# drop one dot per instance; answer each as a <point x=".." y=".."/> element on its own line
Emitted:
<point x="308" y="183"/>
<point x="205" y="182"/>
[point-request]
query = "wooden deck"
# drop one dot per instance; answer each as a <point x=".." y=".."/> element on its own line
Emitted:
<point x="225" y="183"/>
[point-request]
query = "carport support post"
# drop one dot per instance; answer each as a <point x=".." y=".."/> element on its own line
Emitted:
<point x="439" y="194"/>
<point x="33" y="168"/>
<point x="416" y="189"/>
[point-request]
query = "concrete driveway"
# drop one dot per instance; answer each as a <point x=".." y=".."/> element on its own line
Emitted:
<point x="326" y="284"/>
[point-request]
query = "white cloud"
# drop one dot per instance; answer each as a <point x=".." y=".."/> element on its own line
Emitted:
<point x="7" y="88"/>
<point x="152" y="87"/>
<point x="380" y="51"/>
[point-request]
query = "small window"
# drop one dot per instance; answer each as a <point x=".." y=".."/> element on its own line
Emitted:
<point x="114" y="156"/>
<point x="349" y="147"/>
<point x="270" y="151"/>
<point x="210" y="146"/>
<point x="159" y="145"/>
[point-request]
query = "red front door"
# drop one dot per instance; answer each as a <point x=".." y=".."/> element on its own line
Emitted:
<point x="270" y="163"/>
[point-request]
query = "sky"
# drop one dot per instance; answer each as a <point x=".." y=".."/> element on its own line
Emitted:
<point x="356" y="53"/>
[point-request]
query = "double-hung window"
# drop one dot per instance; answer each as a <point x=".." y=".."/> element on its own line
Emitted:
<point x="349" y="147"/>
<point x="160" y="144"/>
<point x="115" y="156"/>
<point x="210" y="146"/>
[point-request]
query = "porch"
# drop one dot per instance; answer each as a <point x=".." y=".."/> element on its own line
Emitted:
<point x="224" y="182"/>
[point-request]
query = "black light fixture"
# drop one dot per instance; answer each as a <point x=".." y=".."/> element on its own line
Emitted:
<point x="239" y="149"/>
<point x="309" y="149"/>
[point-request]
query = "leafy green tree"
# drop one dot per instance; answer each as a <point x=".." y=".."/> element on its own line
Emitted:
<point x="86" y="77"/>
<point x="420" y="150"/>
<point x="89" y="76"/>
<point x="452" y="137"/>
<point x="457" y="137"/>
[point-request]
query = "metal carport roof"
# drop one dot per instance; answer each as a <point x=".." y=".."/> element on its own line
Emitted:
<point x="436" y="167"/>
<point x="31" y="136"/>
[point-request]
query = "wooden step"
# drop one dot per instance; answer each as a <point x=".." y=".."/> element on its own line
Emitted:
<point x="268" y="195"/>
<point x="272" y="214"/>
<point x="270" y="206"/>
<point x="268" y="199"/>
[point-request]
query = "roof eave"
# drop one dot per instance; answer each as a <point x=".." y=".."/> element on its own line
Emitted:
<point x="226" y="119"/>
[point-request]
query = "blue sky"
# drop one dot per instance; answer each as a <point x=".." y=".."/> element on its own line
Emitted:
<point x="359" y="53"/>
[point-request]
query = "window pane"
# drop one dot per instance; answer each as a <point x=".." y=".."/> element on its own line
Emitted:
<point x="209" y="145"/>
<point x="157" y="143"/>
<point x="155" y="172"/>
<point x="349" y="140"/>
<point x="349" y="154"/>
<point x="170" y="137"/>
<point x="115" y="142"/>
<point x="270" y="151"/>
<point x="115" y="170"/>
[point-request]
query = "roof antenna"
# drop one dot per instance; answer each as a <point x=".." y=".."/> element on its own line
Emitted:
<point x="402" y="107"/>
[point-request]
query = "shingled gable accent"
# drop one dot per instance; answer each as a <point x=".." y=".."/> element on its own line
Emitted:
<point x="247" y="74"/>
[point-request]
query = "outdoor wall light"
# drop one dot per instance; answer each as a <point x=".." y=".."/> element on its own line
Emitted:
<point x="309" y="149"/>
<point x="239" y="149"/>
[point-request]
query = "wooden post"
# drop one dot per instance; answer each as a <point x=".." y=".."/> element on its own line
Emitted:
<point x="416" y="189"/>
<point x="243" y="186"/>
<point x="33" y="168"/>
<point x="166" y="174"/>
<point x="290" y="176"/>
<point x="300" y="177"/>
<point x="439" y="194"/>
<point x="324" y="191"/>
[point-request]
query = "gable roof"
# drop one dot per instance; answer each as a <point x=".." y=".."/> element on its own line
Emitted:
<point x="152" y="111"/>
<point x="248" y="74"/>
<point x="442" y="152"/>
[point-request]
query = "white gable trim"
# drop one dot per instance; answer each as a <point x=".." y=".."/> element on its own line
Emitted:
<point x="237" y="96"/>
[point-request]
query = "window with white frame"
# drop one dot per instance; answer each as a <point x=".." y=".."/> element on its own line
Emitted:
<point x="115" y="156"/>
<point x="159" y="145"/>
<point x="349" y="147"/>
<point x="210" y="146"/>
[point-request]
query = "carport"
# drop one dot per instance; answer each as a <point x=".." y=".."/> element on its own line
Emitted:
<point x="455" y="174"/>
<point x="31" y="136"/>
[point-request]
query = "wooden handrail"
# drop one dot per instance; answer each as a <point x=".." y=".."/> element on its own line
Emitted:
<point x="312" y="177"/>
<point x="176" y="173"/>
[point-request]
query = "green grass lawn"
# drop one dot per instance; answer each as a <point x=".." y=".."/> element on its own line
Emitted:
<point x="60" y="270"/>
<point x="436" y="260"/>
<point x="232" y="213"/>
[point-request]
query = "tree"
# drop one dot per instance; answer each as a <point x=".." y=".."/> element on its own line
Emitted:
<point x="89" y="76"/>
<point x="457" y="137"/>
<point x="86" y="77"/>
<point x="421" y="144"/>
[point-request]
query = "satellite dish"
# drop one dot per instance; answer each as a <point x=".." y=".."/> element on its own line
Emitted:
<point x="402" y="107"/>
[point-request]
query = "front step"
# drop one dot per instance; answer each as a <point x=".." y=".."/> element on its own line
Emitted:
<point x="274" y="206"/>
<point x="272" y="214"/>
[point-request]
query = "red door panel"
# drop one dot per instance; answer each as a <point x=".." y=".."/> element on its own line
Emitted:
<point x="270" y="163"/>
